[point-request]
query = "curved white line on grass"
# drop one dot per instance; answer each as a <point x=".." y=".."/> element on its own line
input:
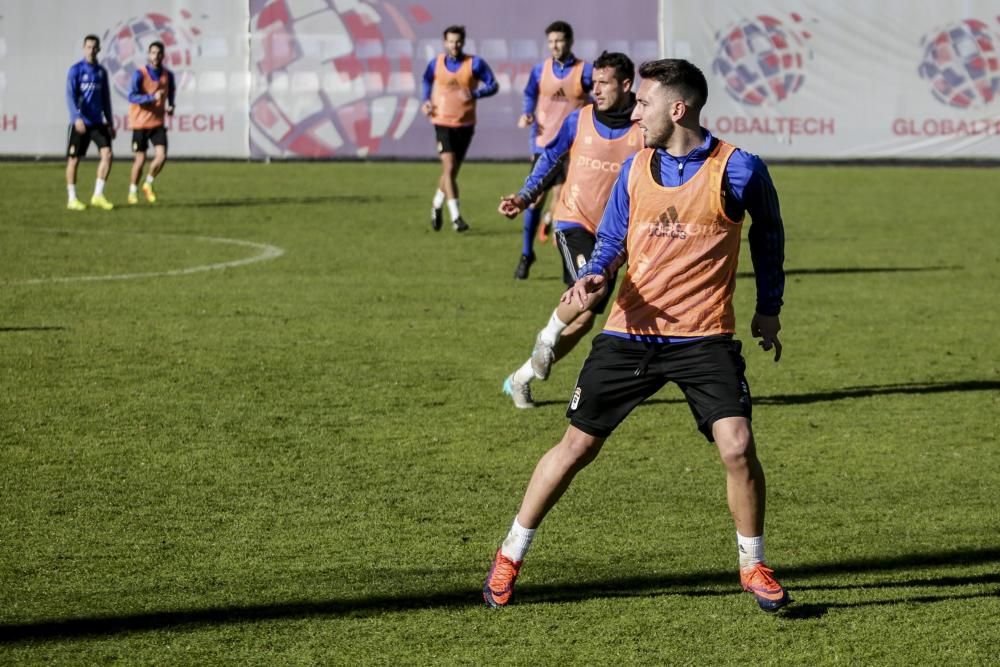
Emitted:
<point x="267" y="252"/>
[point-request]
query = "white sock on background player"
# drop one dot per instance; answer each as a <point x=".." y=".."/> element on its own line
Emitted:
<point x="99" y="187"/>
<point x="453" y="209"/>
<point x="71" y="192"/>
<point x="438" y="199"/>
<point x="517" y="542"/>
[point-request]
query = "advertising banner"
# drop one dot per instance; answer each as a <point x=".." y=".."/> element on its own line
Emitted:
<point x="344" y="78"/>
<point x="845" y="80"/>
<point x="206" y="49"/>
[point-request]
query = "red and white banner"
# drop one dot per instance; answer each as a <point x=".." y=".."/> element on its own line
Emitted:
<point x="206" y="48"/>
<point x="342" y="78"/>
<point x="845" y="80"/>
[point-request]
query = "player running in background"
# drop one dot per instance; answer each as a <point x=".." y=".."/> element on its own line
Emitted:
<point x="151" y="99"/>
<point x="453" y="81"/>
<point x="589" y="148"/>
<point x="89" y="100"/>
<point x="557" y="87"/>
<point x="675" y="215"/>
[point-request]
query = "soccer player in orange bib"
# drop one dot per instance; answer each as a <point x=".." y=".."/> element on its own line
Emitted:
<point x="555" y="89"/>
<point x="589" y="148"/>
<point x="452" y="83"/>
<point x="151" y="99"/>
<point x="675" y="215"/>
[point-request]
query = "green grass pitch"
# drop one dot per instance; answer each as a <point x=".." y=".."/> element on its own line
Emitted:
<point x="307" y="459"/>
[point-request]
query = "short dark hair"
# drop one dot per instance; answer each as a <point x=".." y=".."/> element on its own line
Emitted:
<point x="455" y="30"/>
<point x="92" y="38"/>
<point x="686" y="79"/>
<point x="159" y="44"/>
<point x="621" y="63"/>
<point x="561" y="26"/>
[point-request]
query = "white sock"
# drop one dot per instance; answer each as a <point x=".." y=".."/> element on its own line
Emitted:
<point x="99" y="187"/>
<point x="133" y="188"/>
<point x="71" y="192"/>
<point x="438" y="198"/>
<point x="550" y="334"/>
<point x="517" y="542"/>
<point x="453" y="209"/>
<point x="751" y="550"/>
<point x="524" y="374"/>
<point x="149" y="179"/>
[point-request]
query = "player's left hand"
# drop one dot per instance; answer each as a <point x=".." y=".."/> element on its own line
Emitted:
<point x="427" y="108"/>
<point x="170" y="111"/>
<point x="114" y="132"/>
<point x="766" y="327"/>
<point x="511" y="206"/>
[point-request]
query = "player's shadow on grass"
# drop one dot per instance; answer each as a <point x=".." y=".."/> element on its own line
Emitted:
<point x="863" y="392"/>
<point x="688" y="584"/>
<point x="17" y="329"/>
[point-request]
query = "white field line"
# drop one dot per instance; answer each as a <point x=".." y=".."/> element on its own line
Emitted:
<point x="267" y="252"/>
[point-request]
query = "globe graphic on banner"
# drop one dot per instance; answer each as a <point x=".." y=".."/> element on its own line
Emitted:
<point x="336" y="79"/>
<point x="761" y="60"/>
<point x="125" y="47"/>
<point x="961" y="64"/>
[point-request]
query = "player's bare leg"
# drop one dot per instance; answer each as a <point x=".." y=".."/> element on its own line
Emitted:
<point x="448" y="183"/>
<point x="746" y="493"/>
<point x="554" y="473"/>
<point x="138" y="163"/>
<point x="103" y="171"/>
<point x="72" y="203"/>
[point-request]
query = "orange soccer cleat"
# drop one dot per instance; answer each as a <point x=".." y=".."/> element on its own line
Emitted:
<point x="499" y="585"/>
<point x="758" y="580"/>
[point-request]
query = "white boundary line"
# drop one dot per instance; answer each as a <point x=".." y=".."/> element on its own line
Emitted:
<point x="267" y="252"/>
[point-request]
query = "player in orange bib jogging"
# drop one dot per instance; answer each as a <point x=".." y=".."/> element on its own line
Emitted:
<point x="452" y="83"/>
<point x="675" y="216"/>
<point x="151" y="98"/>
<point x="555" y="89"/>
<point x="589" y="148"/>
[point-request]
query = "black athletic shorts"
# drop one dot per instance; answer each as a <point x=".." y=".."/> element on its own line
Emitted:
<point x="620" y="374"/>
<point x="576" y="245"/>
<point x="454" y="139"/>
<point x="77" y="144"/>
<point x="141" y="139"/>
<point x="559" y="179"/>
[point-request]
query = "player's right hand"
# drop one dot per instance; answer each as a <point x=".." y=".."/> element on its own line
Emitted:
<point x="585" y="291"/>
<point x="511" y="206"/>
<point x="79" y="126"/>
<point x="525" y="120"/>
<point x="427" y="108"/>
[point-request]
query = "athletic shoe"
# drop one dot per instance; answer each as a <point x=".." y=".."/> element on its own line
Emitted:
<point x="499" y="585"/>
<point x="100" y="201"/>
<point x="519" y="392"/>
<point x="75" y="204"/>
<point x="147" y="189"/>
<point x="133" y="198"/>
<point x="460" y="225"/>
<point x="523" y="264"/>
<point x="436" y="219"/>
<point x="542" y="357"/>
<point x="758" y="580"/>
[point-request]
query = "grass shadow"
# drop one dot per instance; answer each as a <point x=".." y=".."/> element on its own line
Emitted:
<point x="278" y="201"/>
<point x="690" y="584"/>
<point x="43" y="328"/>
<point x="860" y="392"/>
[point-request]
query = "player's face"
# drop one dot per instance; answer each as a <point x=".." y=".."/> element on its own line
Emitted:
<point x="609" y="92"/>
<point x="559" y="46"/>
<point x="155" y="56"/>
<point x="453" y="44"/>
<point x="90" y="50"/>
<point x="655" y="111"/>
